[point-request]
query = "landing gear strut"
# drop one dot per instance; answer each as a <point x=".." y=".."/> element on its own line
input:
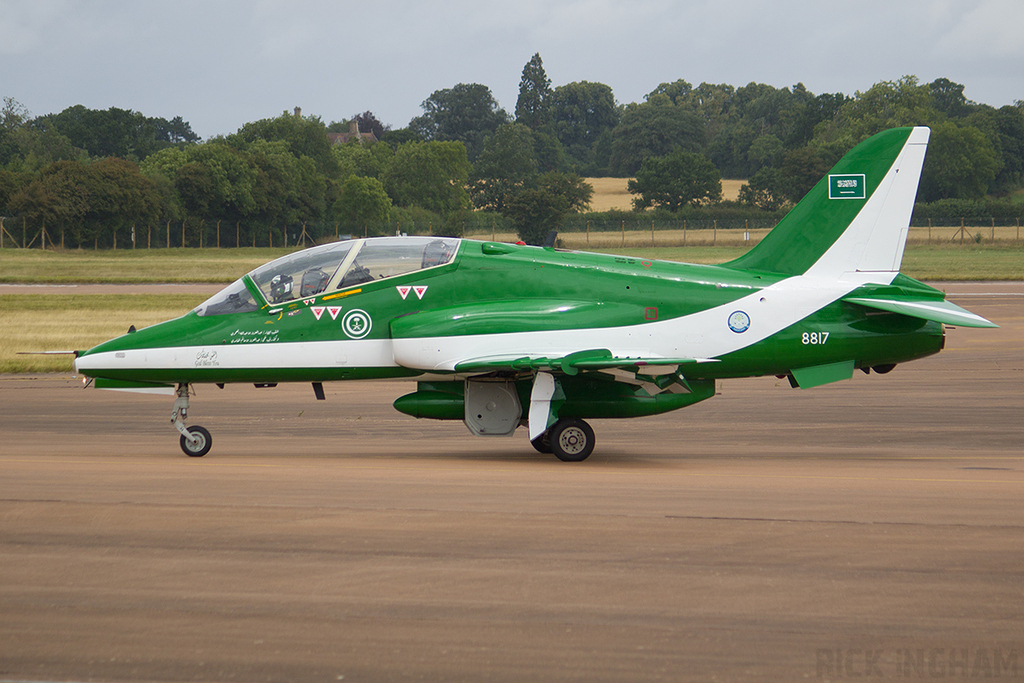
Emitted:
<point x="542" y="444"/>
<point x="195" y="440"/>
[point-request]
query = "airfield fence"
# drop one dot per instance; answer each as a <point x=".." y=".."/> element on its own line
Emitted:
<point x="578" y="232"/>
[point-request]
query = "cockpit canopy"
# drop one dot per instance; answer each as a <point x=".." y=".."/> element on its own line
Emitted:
<point x="332" y="267"/>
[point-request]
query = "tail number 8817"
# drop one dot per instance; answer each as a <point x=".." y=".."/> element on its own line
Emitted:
<point x="814" y="338"/>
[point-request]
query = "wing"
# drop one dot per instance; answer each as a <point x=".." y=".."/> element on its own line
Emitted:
<point x="573" y="363"/>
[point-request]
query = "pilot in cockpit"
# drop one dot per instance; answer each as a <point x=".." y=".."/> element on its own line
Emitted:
<point x="356" y="275"/>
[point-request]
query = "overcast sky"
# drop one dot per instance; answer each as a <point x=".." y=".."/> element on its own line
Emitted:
<point x="222" y="63"/>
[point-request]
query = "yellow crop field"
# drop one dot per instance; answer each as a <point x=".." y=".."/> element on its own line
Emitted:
<point x="611" y="193"/>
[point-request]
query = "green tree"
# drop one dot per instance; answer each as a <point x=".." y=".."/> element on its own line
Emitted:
<point x="11" y="182"/>
<point x="33" y="148"/>
<point x="676" y="91"/>
<point x="116" y="132"/>
<point x="766" y="151"/>
<point x="576" y="192"/>
<point x="534" y="95"/>
<point x="948" y="97"/>
<point x="960" y="163"/>
<point x="1009" y="125"/>
<point x="801" y="170"/>
<point x="118" y="198"/>
<point x="887" y="104"/>
<point x="431" y="175"/>
<point x="232" y="175"/>
<point x="367" y="161"/>
<point x="362" y="202"/>
<point x="653" y="129"/>
<point x="175" y="131"/>
<point x="506" y="164"/>
<point x="288" y="190"/>
<point x="195" y="186"/>
<point x="765" y="190"/>
<point x="397" y="138"/>
<point x="548" y="150"/>
<point x="13" y="117"/>
<point x="676" y="180"/>
<point x="535" y="212"/>
<point x="1004" y="128"/>
<point x="166" y="163"/>
<point x="809" y="113"/>
<point x="305" y="135"/>
<point x="756" y="112"/>
<point x="90" y="202"/>
<point x="582" y="115"/>
<point x="541" y="205"/>
<point x="466" y="113"/>
<point x="712" y="103"/>
<point x="57" y="196"/>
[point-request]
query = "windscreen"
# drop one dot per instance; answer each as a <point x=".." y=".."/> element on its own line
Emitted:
<point x="235" y="298"/>
<point x="302" y="274"/>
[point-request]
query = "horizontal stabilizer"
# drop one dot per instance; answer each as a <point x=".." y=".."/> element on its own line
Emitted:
<point x="939" y="310"/>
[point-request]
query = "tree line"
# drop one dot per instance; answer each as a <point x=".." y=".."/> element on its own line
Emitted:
<point x="92" y="175"/>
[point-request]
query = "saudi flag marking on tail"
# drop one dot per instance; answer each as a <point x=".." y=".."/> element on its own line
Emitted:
<point x="847" y="186"/>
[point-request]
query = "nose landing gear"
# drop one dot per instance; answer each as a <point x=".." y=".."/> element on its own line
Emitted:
<point x="195" y="440"/>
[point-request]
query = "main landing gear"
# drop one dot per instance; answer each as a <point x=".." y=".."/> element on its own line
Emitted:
<point x="195" y="440"/>
<point x="571" y="440"/>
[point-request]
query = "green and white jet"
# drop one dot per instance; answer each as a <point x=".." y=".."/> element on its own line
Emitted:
<point x="501" y="335"/>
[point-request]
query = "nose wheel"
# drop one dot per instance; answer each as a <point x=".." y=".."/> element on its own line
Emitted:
<point x="199" y="442"/>
<point x="195" y="440"/>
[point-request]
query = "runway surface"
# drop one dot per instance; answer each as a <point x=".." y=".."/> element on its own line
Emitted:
<point x="870" y="528"/>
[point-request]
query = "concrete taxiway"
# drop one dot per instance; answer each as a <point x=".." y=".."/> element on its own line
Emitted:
<point x="869" y="528"/>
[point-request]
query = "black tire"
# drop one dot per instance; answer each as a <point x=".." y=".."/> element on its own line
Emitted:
<point x="542" y="444"/>
<point x="202" y="447"/>
<point x="571" y="440"/>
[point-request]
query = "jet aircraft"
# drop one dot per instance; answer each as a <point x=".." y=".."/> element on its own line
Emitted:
<point x="501" y="335"/>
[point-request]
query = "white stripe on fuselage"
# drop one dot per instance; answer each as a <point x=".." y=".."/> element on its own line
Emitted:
<point x="359" y="353"/>
<point x="705" y="334"/>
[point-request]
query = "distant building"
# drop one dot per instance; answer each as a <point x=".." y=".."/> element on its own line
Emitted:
<point x="352" y="134"/>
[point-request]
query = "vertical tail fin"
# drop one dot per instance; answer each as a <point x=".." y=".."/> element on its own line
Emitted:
<point x="855" y="219"/>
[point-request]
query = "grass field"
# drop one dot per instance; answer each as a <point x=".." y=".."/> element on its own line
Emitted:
<point x="37" y="322"/>
<point x="128" y="265"/>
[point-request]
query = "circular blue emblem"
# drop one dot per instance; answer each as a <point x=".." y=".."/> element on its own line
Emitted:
<point x="739" y="322"/>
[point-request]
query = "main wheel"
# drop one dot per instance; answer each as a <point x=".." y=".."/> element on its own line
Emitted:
<point x="571" y="440"/>
<point x="542" y="444"/>
<point x="202" y="443"/>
